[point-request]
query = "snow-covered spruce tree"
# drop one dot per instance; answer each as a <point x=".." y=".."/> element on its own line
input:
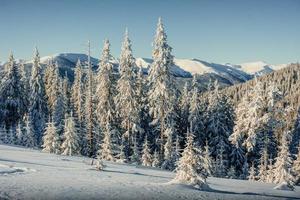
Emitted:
<point x="59" y="107"/>
<point x="296" y="166"/>
<point x="252" y="173"/>
<point x="126" y="100"/>
<point x="146" y="156"/>
<point x="51" y="141"/>
<point x="196" y="117"/>
<point x="176" y="153"/>
<point x="25" y="82"/>
<point x="271" y="120"/>
<point x="3" y="134"/>
<point x="231" y="173"/>
<point x="121" y="156"/>
<point x="237" y="158"/>
<point x="263" y="166"/>
<point x="207" y="160"/>
<point x="38" y="107"/>
<point x="221" y="163"/>
<point x="135" y="157"/>
<point x="162" y="89"/>
<point x="77" y="99"/>
<point x="184" y="106"/>
<point x="168" y="147"/>
<point x="189" y="169"/>
<point x="66" y="93"/>
<point x="12" y="138"/>
<point x="249" y="123"/>
<point x="156" y="161"/>
<point x="270" y="175"/>
<point x="220" y="122"/>
<point x="70" y="145"/>
<point x="90" y="118"/>
<point x="245" y="169"/>
<point x="51" y="80"/>
<point x="13" y="100"/>
<point x="105" y="90"/>
<point x="105" y="150"/>
<point x="28" y="137"/>
<point x="296" y="134"/>
<point x="283" y="163"/>
<point x="19" y="133"/>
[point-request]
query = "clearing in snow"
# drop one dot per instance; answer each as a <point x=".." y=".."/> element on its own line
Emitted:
<point x="32" y="174"/>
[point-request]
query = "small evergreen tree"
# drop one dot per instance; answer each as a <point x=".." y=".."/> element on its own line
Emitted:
<point x="146" y="157"/>
<point x="155" y="162"/>
<point x="252" y="173"/>
<point x="106" y="146"/>
<point x="70" y="145"/>
<point x="283" y="164"/>
<point x="188" y="170"/>
<point x="296" y="167"/>
<point x="51" y="141"/>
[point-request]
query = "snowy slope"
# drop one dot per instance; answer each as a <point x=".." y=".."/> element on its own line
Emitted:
<point x="31" y="174"/>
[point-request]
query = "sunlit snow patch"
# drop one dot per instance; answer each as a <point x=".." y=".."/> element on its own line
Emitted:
<point x="9" y="169"/>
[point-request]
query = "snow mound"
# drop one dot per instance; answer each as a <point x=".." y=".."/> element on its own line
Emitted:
<point x="284" y="186"/>
<point x="9" y="169"/>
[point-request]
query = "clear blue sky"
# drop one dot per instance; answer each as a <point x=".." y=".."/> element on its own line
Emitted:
<point x="213" y="30"/>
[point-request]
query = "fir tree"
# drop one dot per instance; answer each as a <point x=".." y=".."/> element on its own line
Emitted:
<point x="162" y="90"/>
<point x="135" y="157"/>
<point x="105" y="88"/>
<point x="263" y="166"/>
<point x="221" y="162"/>
<point x="126" y="99"/>
<point x="207" y="160"/>
<point x="283" y="163"/>
<point x="70" y="145"/>
<point x="77" y="99"/>
<point x="28" y="138"/>
<point x="146" y="157"/>
<point x="156" y="161"/>
<point x="249" y="121"/>
<point x="237" y="158"/>
<point x="90" y="119"/>
<point x="106" y="145"/>
<point x="51" y="141"/>
<point x="252" y="173"/>
<point x="13" y="100"/>
<point x="188" y="170"/>
<point x="196" y="117"/>
<point x="37" y="108"/>
<point x="296" y="167"/>
<point x="220" y="121"/>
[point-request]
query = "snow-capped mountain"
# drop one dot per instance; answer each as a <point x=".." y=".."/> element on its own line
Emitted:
<point x="227" y="74"/>
<point x="257" y="68"/>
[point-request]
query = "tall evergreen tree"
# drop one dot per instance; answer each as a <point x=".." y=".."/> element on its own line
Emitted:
<point x="38" y="107"/>
<point x="162" y="90"/>
<point x="90" y="118"/>
<point x="105" y="90"/>
<point x="126" y="102"/>
<point x="13" y="100"/>
<point x="77" y="99"/>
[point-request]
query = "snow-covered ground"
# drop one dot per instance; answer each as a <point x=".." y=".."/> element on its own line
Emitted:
<point x="31" y="174"/>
